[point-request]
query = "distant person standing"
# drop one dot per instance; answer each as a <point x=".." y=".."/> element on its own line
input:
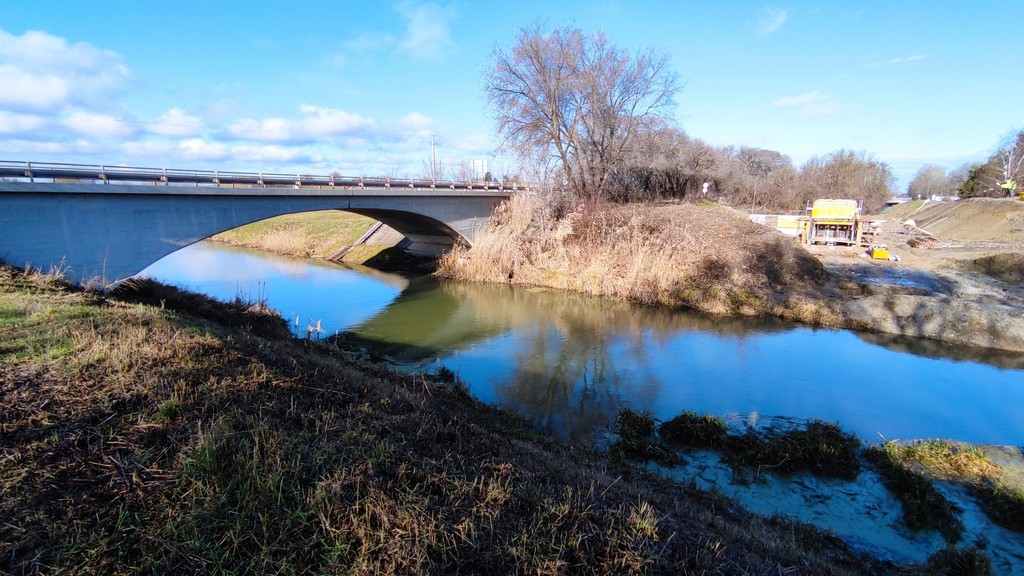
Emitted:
<point x="1010" y="186"/>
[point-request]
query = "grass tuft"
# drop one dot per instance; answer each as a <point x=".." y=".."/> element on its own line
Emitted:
<point x="445" y="375"/>
<point x="968" y="464"/>
<point x="971" y="561"/>
<point x="1003" y="504"/>
<point x="821" y="448"/>
<point x="636" y="440"/>
<point x="924" y="507"/>
<point x="691" y="429"/>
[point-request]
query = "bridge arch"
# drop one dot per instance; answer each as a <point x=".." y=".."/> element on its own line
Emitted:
<point x="103" y="233"/>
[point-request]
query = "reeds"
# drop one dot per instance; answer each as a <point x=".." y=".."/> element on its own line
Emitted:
<point x="675" y="254"/>
<point x="636" y="441"/>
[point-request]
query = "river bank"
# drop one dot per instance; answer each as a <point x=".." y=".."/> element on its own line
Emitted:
<point x="711" y="258"/>
<point x="153" y="430"/>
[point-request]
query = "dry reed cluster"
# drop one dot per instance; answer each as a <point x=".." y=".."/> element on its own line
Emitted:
<point x="701" y="256"/>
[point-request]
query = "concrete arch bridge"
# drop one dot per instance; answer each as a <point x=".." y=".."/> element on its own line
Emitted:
<point x="101" y="224"/>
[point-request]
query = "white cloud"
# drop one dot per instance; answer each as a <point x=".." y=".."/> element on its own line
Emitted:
<point x="148" y="148"/>
<point x="175" y="122"/>
<point x="809" y="105"/>
<point x="771" y="19"/>
<point x="801" y="100"/>
<point x="45" y="72"/>
<point x="330" y="121"/>
<point x="478" y="144"/>
<point x="361" y="49"/>
<point x="312" y="123"/>
<point x="35" y="149"/>
<point x="199" y="149"/>
<point x="23" y="90"/>
<point x="427" y="34"/>
<point x="415" y="122"/>
<point x="14" y="123"/>
<point x="272" y="153"/>
<point x="818" y="110"/>
<point x="97" y="124"/>
<point x="903" y="60"/>
<point x="267" y="129"/>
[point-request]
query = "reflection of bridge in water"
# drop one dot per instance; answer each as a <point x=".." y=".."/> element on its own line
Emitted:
<point x="103" y="223"/>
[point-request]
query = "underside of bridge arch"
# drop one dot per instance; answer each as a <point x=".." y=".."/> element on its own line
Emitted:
<point x="427" y="236"/>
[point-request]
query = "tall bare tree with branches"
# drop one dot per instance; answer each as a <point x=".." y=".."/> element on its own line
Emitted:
<point x="577" y="100"/>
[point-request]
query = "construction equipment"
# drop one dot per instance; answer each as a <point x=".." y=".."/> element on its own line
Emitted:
<point x="832" y="222"/>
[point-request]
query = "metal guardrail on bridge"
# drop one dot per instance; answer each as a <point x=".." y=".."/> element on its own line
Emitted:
<point x="55" y="171"/>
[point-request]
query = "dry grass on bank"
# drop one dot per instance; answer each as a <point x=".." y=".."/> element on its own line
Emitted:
<point x="306" y="235"/>
<point x="154" y="432"/>
<point x="702" y="256"/>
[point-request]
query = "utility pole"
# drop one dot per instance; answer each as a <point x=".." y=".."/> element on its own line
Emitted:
<point x="433" y="159"/>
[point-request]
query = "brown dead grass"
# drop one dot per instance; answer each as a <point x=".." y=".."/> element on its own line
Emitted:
<point x="702" y="256"/>
<point x="146" y="438"/>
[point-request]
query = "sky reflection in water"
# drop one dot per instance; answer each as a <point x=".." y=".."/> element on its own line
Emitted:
<point x="571" y="363"/>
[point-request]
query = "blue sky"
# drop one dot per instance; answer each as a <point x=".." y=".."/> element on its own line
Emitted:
<point x="361" y="87"/>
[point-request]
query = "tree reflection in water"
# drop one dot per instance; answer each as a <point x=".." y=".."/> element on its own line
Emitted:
<point x="578" y="359"/>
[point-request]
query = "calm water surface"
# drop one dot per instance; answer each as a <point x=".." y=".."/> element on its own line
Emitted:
<point x="571" y="363"/>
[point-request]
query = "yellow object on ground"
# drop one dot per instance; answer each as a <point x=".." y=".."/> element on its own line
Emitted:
<point x="879" y="252"/>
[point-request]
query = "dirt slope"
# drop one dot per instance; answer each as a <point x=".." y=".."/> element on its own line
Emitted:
<point x="977" y="219"/>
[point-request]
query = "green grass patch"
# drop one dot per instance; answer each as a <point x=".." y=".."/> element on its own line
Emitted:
<point x="635" y="431"/>
<point x="924" y="507"/>
<point x="308" y="234"/>
<point x="821" y="448"/>
<point x="697" y="430"/>
<point x="967" y="464"/>
<point x="1002" y="504"/>
<point x="189" y="443"/>
<point x="971" y="561"/>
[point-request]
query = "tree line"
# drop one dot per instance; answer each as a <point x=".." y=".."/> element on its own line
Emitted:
<point x="993" y="178"/>
<point x="595" y="121"/>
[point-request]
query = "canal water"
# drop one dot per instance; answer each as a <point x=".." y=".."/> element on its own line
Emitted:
<point x="570" y="362"/>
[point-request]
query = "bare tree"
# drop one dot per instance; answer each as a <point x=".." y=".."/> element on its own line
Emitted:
<point x="848" y="174"/>
<point x="577" y="100"/>
<point x="929" y="181"/>
<point x="1009" y="160"/>
<point x="1004" y="167"/>
<point x="761" y="170"/>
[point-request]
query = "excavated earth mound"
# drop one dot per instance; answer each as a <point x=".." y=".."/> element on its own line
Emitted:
<point x="977" y="219"/>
